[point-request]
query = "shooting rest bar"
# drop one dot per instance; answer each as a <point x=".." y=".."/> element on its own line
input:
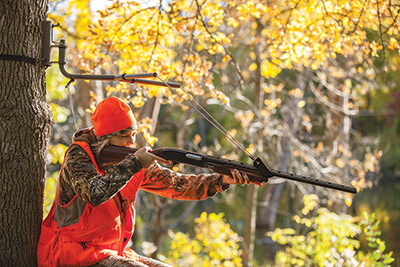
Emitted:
<point x="131" y="78"/>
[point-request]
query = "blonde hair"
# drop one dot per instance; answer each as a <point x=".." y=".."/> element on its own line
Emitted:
<point x="104" y="140"/>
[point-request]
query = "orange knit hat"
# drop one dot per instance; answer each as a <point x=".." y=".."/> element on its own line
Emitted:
<point x="112" y="115"/>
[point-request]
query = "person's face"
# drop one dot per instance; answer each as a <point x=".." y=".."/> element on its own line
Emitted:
<point x="126" y="139"/>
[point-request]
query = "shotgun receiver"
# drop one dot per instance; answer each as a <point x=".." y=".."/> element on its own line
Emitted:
<point x="258" y="172"/>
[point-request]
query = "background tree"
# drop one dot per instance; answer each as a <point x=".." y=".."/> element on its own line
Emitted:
<point x="25" y="128"/>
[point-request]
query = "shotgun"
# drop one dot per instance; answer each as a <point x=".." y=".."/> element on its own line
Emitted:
<point x="257" y="173"/>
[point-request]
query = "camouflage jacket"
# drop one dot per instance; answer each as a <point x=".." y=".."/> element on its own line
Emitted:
<point x="79" y="177"/>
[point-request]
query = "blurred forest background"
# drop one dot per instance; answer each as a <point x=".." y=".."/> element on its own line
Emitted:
<point x="312" y="87"/>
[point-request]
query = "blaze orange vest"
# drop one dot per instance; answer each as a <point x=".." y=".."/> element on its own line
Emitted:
<point x="100" y="232"/>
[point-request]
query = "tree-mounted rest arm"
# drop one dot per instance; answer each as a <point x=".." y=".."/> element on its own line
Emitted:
<point x="259" y="172"/>
<point x="131" y="78"/>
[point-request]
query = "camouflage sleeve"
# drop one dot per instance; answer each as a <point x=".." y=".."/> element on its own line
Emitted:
<point x="164" y="182"/>
<point x="81" y="176"/>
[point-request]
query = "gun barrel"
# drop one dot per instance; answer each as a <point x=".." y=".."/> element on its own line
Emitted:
<point x="310" y="180"/>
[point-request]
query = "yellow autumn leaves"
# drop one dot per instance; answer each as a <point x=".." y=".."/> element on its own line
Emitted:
<point x="177" y="40"/>
<point x="330" y="238"/>
<point x="214" y="243"/>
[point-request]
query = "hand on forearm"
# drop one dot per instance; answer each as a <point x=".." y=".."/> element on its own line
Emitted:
<point x="236" y="178"/>
<point x="146" y="158"/>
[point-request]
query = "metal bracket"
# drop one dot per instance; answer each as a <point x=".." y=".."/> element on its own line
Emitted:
<point x="48" y="43"/>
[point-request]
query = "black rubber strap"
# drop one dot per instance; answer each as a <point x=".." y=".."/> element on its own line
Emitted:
<point x="29" y="60"/>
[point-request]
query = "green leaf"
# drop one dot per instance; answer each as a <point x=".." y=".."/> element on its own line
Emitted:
<point x="369" y="233"/>
<point x="371" y="218"/>
<point x="376" y="225"/>
<point x="387" y="258"/>
<point x="376" y="256"/>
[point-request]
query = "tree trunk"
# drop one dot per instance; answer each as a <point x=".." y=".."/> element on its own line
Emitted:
<point x="252" y="191"/>
<point x="82" y="100"/>
<point x="25" y="129"/>
<point x="271" y="197"/>
<point x="250" y="225"/>
<point x="158" y="222"/>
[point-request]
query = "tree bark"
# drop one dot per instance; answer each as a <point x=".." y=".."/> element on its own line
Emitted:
<point x="25" y="129"/>
<point x="252" y="191"/>
<point x="250" y="225"/>
<point x="271" y="197"/>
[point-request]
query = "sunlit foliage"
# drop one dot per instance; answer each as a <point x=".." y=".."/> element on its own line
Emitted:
<point x="213" y="244"/>
<point x="55" y="156"/>
<point x="330" y="239"/>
